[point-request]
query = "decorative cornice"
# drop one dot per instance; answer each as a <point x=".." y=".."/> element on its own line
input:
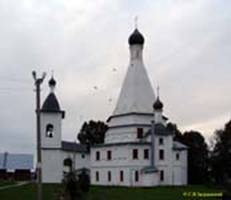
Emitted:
<point x="130" y="125"/>
<point x="120" y="144"/>
<point x="127" y="114"/>
<point x="54" y="111"/>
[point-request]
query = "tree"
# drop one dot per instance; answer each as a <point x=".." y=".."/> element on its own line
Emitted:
<point x="177" y="134"/>
<point x="197" y="157"/>
<point x="92" y="133"/>
<point x="221" y="155"/>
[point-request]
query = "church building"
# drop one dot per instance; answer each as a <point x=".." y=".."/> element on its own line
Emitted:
<point x="138" y="149"/>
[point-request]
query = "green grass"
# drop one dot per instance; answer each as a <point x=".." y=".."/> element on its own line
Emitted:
<point x="6" y="183"/>
<point x="28" y="192"/>
<point x="160" y="193"/>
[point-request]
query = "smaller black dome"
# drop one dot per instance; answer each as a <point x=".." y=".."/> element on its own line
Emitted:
<point x="158" y="105"/>
<point x="136" y="38"/>
<point x="52" y="82"/>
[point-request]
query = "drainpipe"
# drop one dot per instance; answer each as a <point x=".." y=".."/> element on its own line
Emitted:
<point x="153" y="143"/>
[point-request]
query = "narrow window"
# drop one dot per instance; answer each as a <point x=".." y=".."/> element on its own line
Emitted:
<point x="146" y="153"/>
<point x="97" y="176"/>
<point x="139" y="133"/>
<point x="109" y="176"/>
<point x="135" y="154"/>
<point x="162" y="175"/>
<point x="177" y="156"/>
<point x="97" y="155"/>
<point x="109" y="155"/>
<point x="136" y="176"/>
<point x="161" y="141"/>
<point x="121" y="176"/>
<point x="68" y="163"/>
<point x="83" y="156"/>
<point x="49" y="130"/>
<point x="161" y="154"/>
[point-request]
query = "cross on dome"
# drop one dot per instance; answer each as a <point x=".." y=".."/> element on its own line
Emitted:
<point x="52" y="82"/>
<point x="136" y="38"/>
<point x="158" y="105"/>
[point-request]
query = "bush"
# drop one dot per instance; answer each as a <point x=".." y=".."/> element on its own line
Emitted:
<point x="84" y="181"/>
<point x="72" y="188"/>
<point x="75" y="187"/>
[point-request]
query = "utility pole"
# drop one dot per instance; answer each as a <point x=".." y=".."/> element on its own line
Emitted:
<point x="38" y="82"/>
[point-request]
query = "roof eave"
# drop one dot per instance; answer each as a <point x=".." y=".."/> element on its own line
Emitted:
<point x="54" y="111"/>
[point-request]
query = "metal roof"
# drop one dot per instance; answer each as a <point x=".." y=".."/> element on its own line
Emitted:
<point x="74" y="147"/>
<point x="179" y="146"/>
<point x="160" y="129"/>
<point x="51" y="104"/>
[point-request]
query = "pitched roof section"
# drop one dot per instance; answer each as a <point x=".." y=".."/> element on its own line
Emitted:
<point x="74" y="147"/>
<point x="179" y="146"/>
<point x="51" y="104"/>
<point x="136" y="94"/>
<point x="160" y="129"/>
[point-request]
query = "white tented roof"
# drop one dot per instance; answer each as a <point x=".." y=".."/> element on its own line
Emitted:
<point x="136" y="94"/>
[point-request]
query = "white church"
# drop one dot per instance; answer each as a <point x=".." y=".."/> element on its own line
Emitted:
<point x="138" y="150"/>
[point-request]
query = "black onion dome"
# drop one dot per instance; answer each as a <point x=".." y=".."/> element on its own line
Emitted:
<point x="136" y="38"/>
<point x="52" y="82"/>
<point x="158" y="105"/>
<point x="51" y="104"/>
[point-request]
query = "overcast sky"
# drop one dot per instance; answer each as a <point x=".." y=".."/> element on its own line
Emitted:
<point x="187" y="52"/>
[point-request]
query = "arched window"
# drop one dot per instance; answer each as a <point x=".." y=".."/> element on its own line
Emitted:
<point x="50" y="130"/>
<point x="68" y="163"/>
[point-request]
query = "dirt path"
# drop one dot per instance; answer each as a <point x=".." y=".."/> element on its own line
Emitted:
<point x="12" y="186"/>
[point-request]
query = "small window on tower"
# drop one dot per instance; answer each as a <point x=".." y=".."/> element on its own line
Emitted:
<point x="139" y="133"/>
<point x="177" y="156"/>
<point x="161" y="141"/>
<point x="146" y="153"/>
<point x="109" y="176"/>
<point x="49" y="130"/>
<point x="136" y="176"/>
<point x="96" y="176"/>
<point x="161" y="175"/>
<point x="97" y="156"/>
<point x="109" y="155"/>
<point x="121" y="175"/>
<point x="161" y="154"/>
<point x="135" y="154"/>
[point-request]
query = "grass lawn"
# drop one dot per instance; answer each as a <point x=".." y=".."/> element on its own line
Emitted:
<point x="28" y="192"/>
<point x="6" y="183"/>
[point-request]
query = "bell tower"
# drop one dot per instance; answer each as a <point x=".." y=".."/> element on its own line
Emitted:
<point x="51" y="120"/>
<point x="51" y="137"/>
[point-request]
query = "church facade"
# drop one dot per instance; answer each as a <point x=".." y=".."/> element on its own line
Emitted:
<point x="138" y="150"/>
